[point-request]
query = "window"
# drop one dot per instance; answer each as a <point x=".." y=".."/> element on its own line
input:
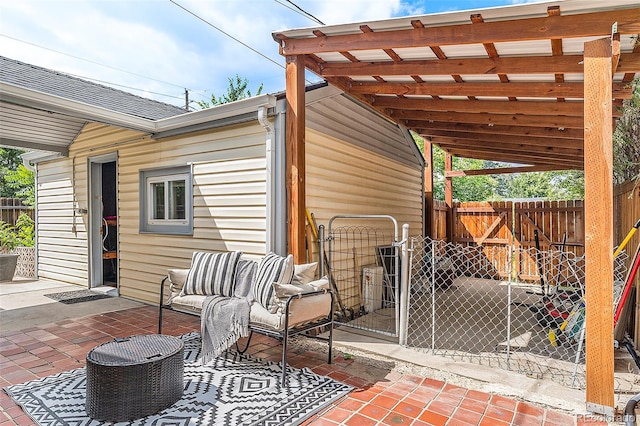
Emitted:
<point x="166" y="202"/>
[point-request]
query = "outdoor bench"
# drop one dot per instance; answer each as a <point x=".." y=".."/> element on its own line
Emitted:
<point x="293" y="309"/>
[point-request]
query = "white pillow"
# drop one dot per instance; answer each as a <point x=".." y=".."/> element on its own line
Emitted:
<point x="305" y="273"/>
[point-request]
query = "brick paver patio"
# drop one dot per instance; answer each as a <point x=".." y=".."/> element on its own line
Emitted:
<point x="382" y="394"/>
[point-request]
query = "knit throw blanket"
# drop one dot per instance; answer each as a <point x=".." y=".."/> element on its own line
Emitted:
<point x="223" y="321"/>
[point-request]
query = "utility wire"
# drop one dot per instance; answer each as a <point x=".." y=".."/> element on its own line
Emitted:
<point x="304" y="12"/>
<point x="228" y="35"/>
<point x="92" y="62"/>
<point x="126" y="87"/>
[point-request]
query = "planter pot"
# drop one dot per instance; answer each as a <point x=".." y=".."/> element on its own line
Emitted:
<point x="8" y="264"/>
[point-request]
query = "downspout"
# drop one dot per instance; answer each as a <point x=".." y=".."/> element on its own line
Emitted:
<point x="27" y="164"/>
<point x="271" y="179"/>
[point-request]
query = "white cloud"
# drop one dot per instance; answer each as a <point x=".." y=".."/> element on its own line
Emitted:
<point x="159" y="40"/>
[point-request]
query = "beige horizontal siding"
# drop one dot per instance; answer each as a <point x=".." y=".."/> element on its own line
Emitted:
<point x="229" y="178"/>
<point x="62" y="235"/>
<point x="229" y="174"/>
<point x="343" y="179"/>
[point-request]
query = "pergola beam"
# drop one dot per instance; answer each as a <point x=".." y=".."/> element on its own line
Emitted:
<point x="523" y="142"/>
<point x="579" y="25"/>
<point x="418" y="119"/>
<point x="507" y="157"/>
<point x="573" y="109"/>
<point x="539" y="132"/>
<point x="501" y="171"/>
<point x="517" y="89"/>
<point x="472" y="66"/>
<point x="532" y="151"/>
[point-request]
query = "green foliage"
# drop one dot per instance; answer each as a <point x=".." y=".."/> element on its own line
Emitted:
<point x="16" y="181"/>
<point x="22" y="182"/>
<point x="237" y="90"/>
<point x="558" y="185"/>
<point x="8" y="237"/>
<point x="626" y="140"/>
<point x="26" y="229"/>
<point x="468" y="188"/>
<point x="21" y="235"/>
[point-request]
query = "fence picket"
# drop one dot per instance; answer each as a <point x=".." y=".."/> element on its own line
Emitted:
<point x="10" y="209"/>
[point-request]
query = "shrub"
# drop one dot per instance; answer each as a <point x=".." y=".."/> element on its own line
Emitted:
<point x="20" y="235"/>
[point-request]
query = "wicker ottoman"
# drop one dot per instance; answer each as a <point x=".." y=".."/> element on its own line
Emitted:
<point x="134" y="377"/>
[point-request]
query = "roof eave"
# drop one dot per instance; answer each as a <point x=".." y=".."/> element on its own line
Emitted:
<point x="35" y="99"/>
<point x="218" y="112"/>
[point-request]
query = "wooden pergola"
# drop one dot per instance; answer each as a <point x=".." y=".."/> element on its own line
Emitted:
<point x="537" y="85"/>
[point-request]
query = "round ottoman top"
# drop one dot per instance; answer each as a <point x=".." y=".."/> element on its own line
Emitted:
<point x="135" y="350"/>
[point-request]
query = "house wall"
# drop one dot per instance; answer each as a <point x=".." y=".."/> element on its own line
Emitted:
<point x="343" y="179"/>
<point x="61" y="188"/>
<point x="352" y="168"/>
<point x="229" y="176"/>
<point x="359" y="163"/>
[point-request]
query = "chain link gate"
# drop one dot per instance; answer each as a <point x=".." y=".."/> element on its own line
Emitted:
<point x="465" y="303"/>
<point x="363" y="267"/>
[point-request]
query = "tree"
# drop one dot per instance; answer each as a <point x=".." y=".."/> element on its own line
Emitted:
<point x="16" y="181"/>
<point x="468" y="188"/>
<point x="238" y="89"/>
<point x="626" y="140"/>
<point x="557" y="185"/>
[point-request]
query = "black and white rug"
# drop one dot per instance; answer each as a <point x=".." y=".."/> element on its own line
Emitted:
<point x="76" y="296"/>
<point x="231" y="390"/>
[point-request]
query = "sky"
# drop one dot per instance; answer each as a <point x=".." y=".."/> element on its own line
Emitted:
<point x="156" y="49"/>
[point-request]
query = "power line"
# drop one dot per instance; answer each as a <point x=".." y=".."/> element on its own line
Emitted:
<point x="304" y="12"/>
<point x="126" y="87"/>
<point x="90" y="61"/>
<point x="228" y="35"/>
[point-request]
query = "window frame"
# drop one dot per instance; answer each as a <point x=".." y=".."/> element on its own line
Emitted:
<point x="147" y="200"/>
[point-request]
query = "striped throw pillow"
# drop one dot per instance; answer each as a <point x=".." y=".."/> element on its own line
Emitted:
<point x="212" y="274"/>
<point x="272" y="269"/>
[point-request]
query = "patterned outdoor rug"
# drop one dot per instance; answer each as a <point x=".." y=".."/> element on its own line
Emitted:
<point x="231" y="390"/>
<point x="76" y="296"/>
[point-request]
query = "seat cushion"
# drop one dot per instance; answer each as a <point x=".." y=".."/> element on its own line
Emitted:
<point x="271" y="269"/>
<point x="301" y="311"/>
<point x="191" y="303"/>
<point x="212" y="273"/>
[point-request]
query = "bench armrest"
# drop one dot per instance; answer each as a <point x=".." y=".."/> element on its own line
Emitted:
<point x="308" y="307"/>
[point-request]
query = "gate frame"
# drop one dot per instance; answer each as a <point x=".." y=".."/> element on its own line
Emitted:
<point x="401" y="304"/>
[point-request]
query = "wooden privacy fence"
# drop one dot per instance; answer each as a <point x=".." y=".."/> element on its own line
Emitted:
<point x="626" y="210"/>
<point x="496" y="226"/>
<point x="10" y="209"/>
<point x="499" y="225"/>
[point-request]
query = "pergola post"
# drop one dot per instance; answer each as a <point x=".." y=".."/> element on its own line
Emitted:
<point x="428" y="191"/>
<point x="295" y="140"/>
<point x="598" y="172"/>
<point x="448" y="193"/>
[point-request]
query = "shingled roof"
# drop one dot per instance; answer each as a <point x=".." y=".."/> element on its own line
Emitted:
<point x="66" y="86"/>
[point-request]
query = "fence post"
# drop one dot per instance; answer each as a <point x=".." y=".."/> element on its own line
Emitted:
<point x="322" y="252"/>
<point x="404" y="287"/>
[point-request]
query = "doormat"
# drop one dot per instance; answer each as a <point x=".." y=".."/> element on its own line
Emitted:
<point x="232" y="389"/>
<point x="76" y="296"/>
